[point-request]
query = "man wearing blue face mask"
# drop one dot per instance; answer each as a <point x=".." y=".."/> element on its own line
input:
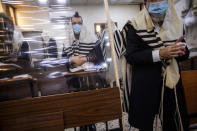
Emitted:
<point x="82" y="42"/>
<point x="154" y="49"/>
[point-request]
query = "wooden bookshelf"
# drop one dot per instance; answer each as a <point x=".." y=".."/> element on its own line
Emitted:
<point x="6" y="34"/>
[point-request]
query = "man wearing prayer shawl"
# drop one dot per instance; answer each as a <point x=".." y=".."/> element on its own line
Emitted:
<point x="154" y="51"/>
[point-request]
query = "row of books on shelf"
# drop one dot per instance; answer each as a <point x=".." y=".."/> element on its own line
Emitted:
<point x="6" y="34"/>
<point x="5" y="49"/>
<point x="6" y="23"/>
<point x="6" y="37"/>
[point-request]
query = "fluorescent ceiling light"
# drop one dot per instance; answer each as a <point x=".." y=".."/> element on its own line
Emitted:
<point x="12" y="2"/>
<point x="43" y="1"/>
<point x="61" y="1"/>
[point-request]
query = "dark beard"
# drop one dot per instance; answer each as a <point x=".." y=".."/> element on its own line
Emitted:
<point x="158" y="19"/>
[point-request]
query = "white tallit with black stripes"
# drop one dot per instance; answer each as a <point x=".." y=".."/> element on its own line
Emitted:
<point x="170" y="31"/>
<point x="124" y="68"/>
<point x="83" y="46"/>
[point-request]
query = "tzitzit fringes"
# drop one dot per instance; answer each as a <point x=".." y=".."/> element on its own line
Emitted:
<point x="178" y="111"/>
<point x="162" y="96"/>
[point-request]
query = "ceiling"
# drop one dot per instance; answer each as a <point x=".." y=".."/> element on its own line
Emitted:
<point x="19" y="3"/>
<point x="95" y="2"/>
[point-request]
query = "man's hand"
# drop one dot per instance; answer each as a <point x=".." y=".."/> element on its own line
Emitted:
<point x="14" y="59"/>
<point x="172" y="51"/>
<point x="78" y="60"/>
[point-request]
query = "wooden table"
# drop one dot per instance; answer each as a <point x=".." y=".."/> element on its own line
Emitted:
<point x="17" y="80"/>
<point x="86" y="77"/>
<point x="84" y="73"/>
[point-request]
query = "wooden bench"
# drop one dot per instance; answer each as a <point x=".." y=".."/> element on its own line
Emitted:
<point x="189" y="79"/>
<point x="57" y="112"/>
<point x="18" y="88"/>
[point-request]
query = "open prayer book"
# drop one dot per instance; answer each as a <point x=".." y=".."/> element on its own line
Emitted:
<point x="88" y="66"/>
<point x="97" y="60"/>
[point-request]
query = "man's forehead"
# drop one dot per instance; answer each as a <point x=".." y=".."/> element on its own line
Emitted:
<point x="76" y="19"/>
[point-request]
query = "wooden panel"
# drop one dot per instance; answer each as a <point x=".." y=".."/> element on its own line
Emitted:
<point x="95" y="107"/>
<point x="190" y="64"/>
<point x="82" y="73"/>
<point x="42" y="122"/>
<point x="18" y="88"/>
<point x="16" y="81"/>
<point x="185" y="65"/>
<point x="189" y="79"/>
<point x="78" y="108"/>
<point x="193" y="120"/>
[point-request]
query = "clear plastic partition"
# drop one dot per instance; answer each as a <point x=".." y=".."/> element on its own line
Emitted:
<point x="55" y="47"/>
<point x="50" y="47"/>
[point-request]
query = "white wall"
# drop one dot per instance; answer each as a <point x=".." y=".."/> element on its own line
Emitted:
<point x="33" y="18"/>
<point x="180" y="6"/>
<point x="91" y="14"/>
<point x="96" y="14"/>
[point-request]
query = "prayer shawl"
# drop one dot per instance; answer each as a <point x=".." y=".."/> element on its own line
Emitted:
<point x="81" y="47"/>
<point x="124" y="68"/>
<point x="170" y="31"/>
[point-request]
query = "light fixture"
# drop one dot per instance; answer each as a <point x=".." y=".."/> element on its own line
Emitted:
<point x="109" y="59"/>
<point x="98" y="28"/>
<point x="61" y="1"/>
<point x="104" y="65"/>
<point x="43" y="1"/>
<point x="106" y="37"/>
<point x="13" y="2"/>
<point x="108" y="44"/>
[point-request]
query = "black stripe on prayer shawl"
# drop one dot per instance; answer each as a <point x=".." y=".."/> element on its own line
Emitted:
<point x="80" y="49"/>
<point x="85" y="49"/>
<point x="121" y="44"/>
<point x="169" y="41"/>
<point x="104" y="51"/>
<point x="118" y="41"/>
<point x="102" y="45"/>
<point x="157" y="46"/>
<point x="123" y="33"/>
<point x="148" y="36"/>
<point x="117" y="49"/>
<point x="153" y="41"/>
<point x="126" y="93"/>
<point x="125" y="103"/>
<point x="142" y="31"/>
<point x="68" y="49"/>
<point x="87" y="44"/>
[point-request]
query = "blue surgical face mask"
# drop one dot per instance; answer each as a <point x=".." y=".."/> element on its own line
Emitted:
<point x="158" y="8"/>
<point x="77" y="28"/>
